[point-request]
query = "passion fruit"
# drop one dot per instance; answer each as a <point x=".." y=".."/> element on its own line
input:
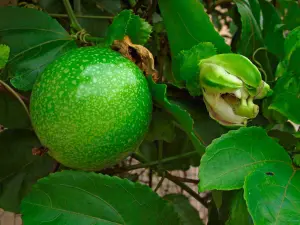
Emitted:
<point x="91" y="107"/>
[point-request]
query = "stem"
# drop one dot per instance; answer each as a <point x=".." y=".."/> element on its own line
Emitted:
<point x="70" y="12"/>
<point x="154" y="163"/>
<point x="159" y="183"/>
<point x="77" y="6"/>
<point x="187" y="180"/>
<point x="94" y="39"/>
<point x="186" y="188"/>
<point x="12" y="91"/>
<point x="80" y="16"/>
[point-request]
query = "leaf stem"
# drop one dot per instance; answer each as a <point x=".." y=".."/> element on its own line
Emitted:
<point x="155" y="163"/>
<point x="186" y="188"/>
<point x="80" y="16"/>
<point x="77" y="6"/>
<point x="70" y="12"/>
<point x="12" y="91"/>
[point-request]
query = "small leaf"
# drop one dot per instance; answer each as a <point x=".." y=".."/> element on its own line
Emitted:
<point x="273" y="37"/>
<point x="286" y="139"/>
<point x="272" y="194"/>
<point x="19" y="169"/>
<point x="292" y="42"/>
<point x="161" y="128"/>
<point x="4" y="54"/>
<point x="181" y="145"/>
<point x="238" y="212"/>
<point x="205" y="128"/>
<point x="187" y="213"/>
<point x="12" y="113"/>
<point x="107" y="200"/>
<point x="128" y="24"/>
<point x="187" y="25"/>
<point x="296" y="160"/>
<point x="251" y="37"/>
<point x="291" y="19"/>
<point x="35" y="40"/>
<point x="186" y="65"/>
<point x="231" y="157"/>
<point x="183" y="118"/>
<point x="286" y="97"/>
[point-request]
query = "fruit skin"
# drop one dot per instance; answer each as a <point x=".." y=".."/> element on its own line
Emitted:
<point x="91" y="107"/>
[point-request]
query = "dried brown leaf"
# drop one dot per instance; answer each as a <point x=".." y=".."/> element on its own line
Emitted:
<point x="138" y="54"/>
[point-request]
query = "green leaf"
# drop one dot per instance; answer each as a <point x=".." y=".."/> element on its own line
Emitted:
<point x="180" y="146"/>
<point x="187" y="213"/>
<point x="296" y="160"/>
<point x="292" y="42"/>
<point x="126" y="23"/>
<point x="19" y="169"/>
<point x="205" y="128"/>
<point x="52" y="6"/>
<point x="95" y="26"/>
<point x="186" y="67"/>
<point x="273" y="37"/>
<point x="292" y="19"/>
<point x="272" y="194"/>
<point x="285" y="139"/>
<point x="285" y="98"/>
<point x="231" y="157"/>
<point x="187" y="24"/>
<point x="161" y="127"/>
<point x="255" y="8"/>
<point x="182" y="117"/>
<point x="35" y="40"/>
<point x="57" y="199"/>
<point x="12" y="113"/>
<point x="251" y="37"/>
<point x="238" y="213"/>
<point x="217" y="197"/>
<point x="110" y="6"/>
<point x="4" y="54"/>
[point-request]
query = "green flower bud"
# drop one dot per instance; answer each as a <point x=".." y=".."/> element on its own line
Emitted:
<point x="230" y="83"/>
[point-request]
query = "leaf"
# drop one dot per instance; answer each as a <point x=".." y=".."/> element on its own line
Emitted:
<point x="12" y="113"/>
<point x="181" y="145"/>
<point x="187" y="213"/>
<point x="35" y="40"/>
<point x="52" y="6"/>
<point x="94" y="26"/>
<point x="161" y="128"/>
<point x="111" y="6"/>
<point x="128" y="24"/>
<point x="231" y="157"/>
<point x="183" y="118"/>
<point x="272" y="194"/>
<point x="19" y="169"/>
<point x="4" y="54"/>
<point x="291" y="19"/>
<point x="286" y="97"/>
<point x="186" y="67"/>
<point x="205" y="128"/>
<point x="285" y="139"/>
<point x="238" y="212"/>
<point x="256" y="11"/>
<point x="107" y="200"/>
<point x="251" y="37"/>
<point x="273" y="37"/>
<point x="292" y="42"/>
<point x="187" y="24"/>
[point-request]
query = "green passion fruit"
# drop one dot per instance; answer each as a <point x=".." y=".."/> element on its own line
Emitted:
<point x="91" y="107"/>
